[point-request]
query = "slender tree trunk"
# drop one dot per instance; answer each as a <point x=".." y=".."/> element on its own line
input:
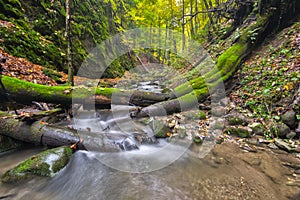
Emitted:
<point x="182" y="27"/>
<point x="69" y="47"/>
<point x="166" y="39"/>
<point x="191" y="21"/>
<point x="209" y="15"/>
<point x="172" y="26"/>
<point x="196" y="17"/>
<point x="159" y="42"/>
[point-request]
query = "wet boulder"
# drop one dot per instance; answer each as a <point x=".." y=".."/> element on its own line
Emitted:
<point x="46" y="164"/>
<point x="236" y="119"/>
<point x="289" y="118"/>
<point x="217" y="124"/>
<point x="218" y="111"/>
<point x="280" y="129"/>
<point x="160" y="128"/>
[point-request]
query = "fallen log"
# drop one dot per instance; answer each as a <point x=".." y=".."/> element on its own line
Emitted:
<point x="26" y="92"/>
<point x="40" y="133"/>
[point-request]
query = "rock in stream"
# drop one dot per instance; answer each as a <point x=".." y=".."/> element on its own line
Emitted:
<point x="46" y="164"/>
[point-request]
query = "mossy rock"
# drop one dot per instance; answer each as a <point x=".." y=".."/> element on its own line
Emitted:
<point x="280" y="129"/>
<point x="197" y="139"/>
<point x="217" y="124"/>
<point x="160" y="129"/>
<point x="289" y="118"/>
<point x="258" y="129"/>
<point x="238" y="131"/>
<point x="236" y="120"/>
<point x="46" y="164"/>
<point x="196" y="115"/>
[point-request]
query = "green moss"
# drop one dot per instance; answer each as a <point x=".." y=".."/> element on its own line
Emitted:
<point x="107" y="91"/>
<point x="196" y="115"/>
<point x="240" y="132"/>
<point x="63" y="161"/>
<point x="236" y="120"/>
<point x="227" y="62"/>
<point x="62" y="94"/>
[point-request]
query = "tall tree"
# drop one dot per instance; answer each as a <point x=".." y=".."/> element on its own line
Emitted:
<point x="191" y="21"/>
<point x="182" y="26"/>
<point x="69" y="45"/>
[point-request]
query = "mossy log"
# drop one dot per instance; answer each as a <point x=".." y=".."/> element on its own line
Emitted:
<point x="44" y="134"/>
<point x="26" y="92"/>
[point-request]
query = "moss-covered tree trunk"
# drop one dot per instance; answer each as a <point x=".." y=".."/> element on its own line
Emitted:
<point x="26" y="92"/>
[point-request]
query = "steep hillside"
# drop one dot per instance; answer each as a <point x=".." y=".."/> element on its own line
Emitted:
<point x="267" y="84"/>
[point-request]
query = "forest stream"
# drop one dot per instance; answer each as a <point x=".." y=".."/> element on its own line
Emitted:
<point x="154" y="100"/>
<point x="207" y="171"/>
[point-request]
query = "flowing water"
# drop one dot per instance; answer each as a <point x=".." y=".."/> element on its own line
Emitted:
<point x="160" y="170"/>
<point x="226" y="173"/>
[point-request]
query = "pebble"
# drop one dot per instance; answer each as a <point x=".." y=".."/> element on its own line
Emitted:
<point x="248" y="148"/>
<point x="283" y="145"/>
<point x="291" y="135"/>
<point x="272" y="146"/>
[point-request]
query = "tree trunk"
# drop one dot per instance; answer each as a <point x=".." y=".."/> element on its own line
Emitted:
<point x="182" y="27"/>
<point x="26" y="92"/>
<point x="191" y="20"/>
<point x="209" y="16"/>
<point x="69" y="50"/>
<point x="45" y="134"/>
